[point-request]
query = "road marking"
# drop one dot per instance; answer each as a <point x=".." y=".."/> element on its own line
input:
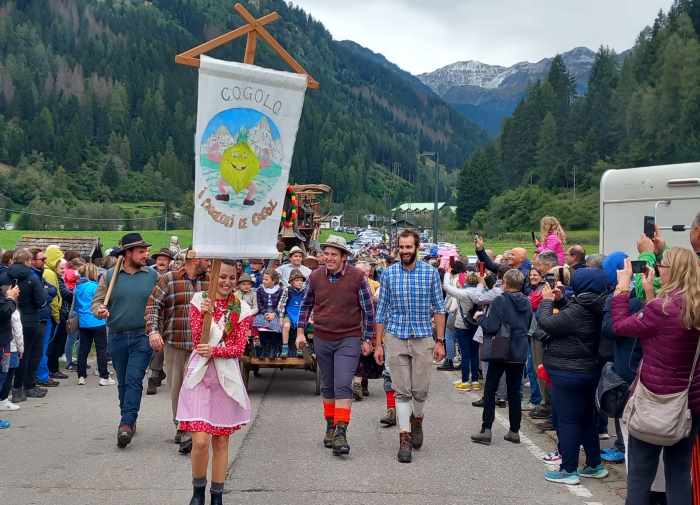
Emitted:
<point x="579" y="490"/>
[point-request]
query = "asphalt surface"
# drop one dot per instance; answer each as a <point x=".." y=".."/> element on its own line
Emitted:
<point x="61" y="450"/>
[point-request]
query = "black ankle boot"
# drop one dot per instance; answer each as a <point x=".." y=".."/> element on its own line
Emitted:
<point x="217" y="499"/>
<point x="198" y="496"/>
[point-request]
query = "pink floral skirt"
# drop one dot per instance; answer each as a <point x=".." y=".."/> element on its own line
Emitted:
<point x="207" y="408"/>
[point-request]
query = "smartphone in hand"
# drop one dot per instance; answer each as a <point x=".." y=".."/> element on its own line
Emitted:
<point x="649" y="227"/>
<point x="639" y="267"/>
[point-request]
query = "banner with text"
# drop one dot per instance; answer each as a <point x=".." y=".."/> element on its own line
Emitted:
<point x="247" y="122"/>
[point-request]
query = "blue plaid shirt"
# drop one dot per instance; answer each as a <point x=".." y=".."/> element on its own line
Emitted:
<point x="408" y="299"/>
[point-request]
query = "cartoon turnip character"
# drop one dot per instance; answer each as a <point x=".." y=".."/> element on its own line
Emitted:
<point x="239" y="166"/>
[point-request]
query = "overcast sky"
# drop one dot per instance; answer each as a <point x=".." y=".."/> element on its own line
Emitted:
<point x="423" y="35"/>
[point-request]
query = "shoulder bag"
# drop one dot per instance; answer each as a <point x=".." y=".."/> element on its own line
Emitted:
<point x="659" y="419"/>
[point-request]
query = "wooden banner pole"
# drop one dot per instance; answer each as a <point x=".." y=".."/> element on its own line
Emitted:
<point x="113" y="280"/>
<point x="213" y="288"/>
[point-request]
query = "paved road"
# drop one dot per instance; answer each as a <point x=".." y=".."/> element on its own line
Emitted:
<point x="61" y="451"/>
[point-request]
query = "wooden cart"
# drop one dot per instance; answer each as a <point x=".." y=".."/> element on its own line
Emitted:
<point x="251" y="363"/>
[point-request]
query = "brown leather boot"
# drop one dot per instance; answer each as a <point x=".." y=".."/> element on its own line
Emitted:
<point x="405" y="448"/>
<point x="389" y="418"/>
<point x="152" y="387"/>
<point x="416" y="431"/>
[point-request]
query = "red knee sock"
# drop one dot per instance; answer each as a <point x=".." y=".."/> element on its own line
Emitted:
<point x="342" y="415"/>
<point x="329" y="409"/>
<point x="390" y="399"/>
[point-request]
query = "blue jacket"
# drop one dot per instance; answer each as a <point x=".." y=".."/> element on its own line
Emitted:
<point x="84" y="292"/>
<point x="513" y="309"/>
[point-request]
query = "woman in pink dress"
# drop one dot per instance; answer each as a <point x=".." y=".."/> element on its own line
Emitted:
<point x="213" y="401"/>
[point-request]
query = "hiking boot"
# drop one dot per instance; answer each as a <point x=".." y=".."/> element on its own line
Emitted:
<point x="340" y="440"/>
<point x="540" y="412"/>
<point x="483" y="437"/>
<point x="35" y="393"/>
<point x="357" y="391"/>
<point x="405" y="448"/>
<point x="479" y="403"/>
<point x="416" y="432"/>
<point x="365" y="387"/>
<point x="447" y="366"/>
<point x="389" y="418"/>
<point x="185" y="443"/>
<point x="124" y="435"/>
<point x="545" y="426"/>
<point x="49" y="383"/>
<point x="152" y="387"/>
<point x="330" y="431"/>
<point x="18" y="395"/>
<point x="58" y="375"/>
<point x="513" y="437"/>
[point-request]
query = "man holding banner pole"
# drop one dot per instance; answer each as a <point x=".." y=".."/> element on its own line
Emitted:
<point x="121" y="299"/>
<point x="340" y="299"/>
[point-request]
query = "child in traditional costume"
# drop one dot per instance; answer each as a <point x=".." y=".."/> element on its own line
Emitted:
<point x="213" y="401"/>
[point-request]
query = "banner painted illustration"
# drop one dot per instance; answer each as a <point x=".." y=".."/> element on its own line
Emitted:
<point x="247" y="122"/>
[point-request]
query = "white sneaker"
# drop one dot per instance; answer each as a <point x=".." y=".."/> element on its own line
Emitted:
<point x="6" y="404"/>
<point x="107" y="382"/>
<point x="97" y="371"/>
<point x="82" y="381"/>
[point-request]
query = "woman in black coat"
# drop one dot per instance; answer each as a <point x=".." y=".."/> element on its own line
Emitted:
<point x="572" y="362"/>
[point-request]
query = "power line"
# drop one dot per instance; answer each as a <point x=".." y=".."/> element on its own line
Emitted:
<point x="80" y="218"/>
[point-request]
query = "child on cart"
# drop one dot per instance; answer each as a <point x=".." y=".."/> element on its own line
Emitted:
<point x="289" y="310"/>
<point x="246" y="292"/>
<point x="267" y="320"/>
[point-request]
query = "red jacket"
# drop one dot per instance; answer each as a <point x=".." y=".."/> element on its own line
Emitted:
<point x="667" y="348"/>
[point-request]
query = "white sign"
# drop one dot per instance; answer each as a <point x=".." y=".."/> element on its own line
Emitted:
<point x="247" y="122"/>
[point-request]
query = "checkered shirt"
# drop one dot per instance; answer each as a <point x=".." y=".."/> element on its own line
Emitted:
<point x="408" y="300"/>
<point x="168" y="307"/>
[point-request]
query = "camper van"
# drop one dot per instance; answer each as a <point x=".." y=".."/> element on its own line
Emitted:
<point x="670" y="194"/>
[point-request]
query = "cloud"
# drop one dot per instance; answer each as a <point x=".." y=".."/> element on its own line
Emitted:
<point x="421" y="36"/>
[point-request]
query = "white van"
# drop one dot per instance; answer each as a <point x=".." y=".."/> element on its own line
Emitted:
<point x="670" y="193"/>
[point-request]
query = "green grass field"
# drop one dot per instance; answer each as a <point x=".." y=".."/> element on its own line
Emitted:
<point x="109" y="239"/>
<point x="159" y="239"/>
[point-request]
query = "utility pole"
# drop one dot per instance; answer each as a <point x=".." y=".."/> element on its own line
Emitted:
<point x="436" y="160"/>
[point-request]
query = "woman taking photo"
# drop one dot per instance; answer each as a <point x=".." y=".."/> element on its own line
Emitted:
<point x="213" y="401"/>
<point x="571" y="360"/>
<point x="668" y="328"/>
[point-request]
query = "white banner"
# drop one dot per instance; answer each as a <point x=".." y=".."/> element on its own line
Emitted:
<point x="247" y="122"/>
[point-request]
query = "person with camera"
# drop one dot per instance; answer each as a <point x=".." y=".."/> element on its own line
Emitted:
<point x="572" y="361"/>
<point x="128" y="342"/>
<point x="668" y="328"/>
<point x="505" y="328"/>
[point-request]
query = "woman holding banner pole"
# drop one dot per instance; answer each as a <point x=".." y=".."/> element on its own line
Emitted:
<point x="213" y="401"/>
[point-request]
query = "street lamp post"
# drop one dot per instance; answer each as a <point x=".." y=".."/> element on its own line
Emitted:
<point x="436" y="159"/>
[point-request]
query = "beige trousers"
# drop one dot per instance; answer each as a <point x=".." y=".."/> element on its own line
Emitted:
<point x="175" y="362"/>
<point x="411" y="362"/>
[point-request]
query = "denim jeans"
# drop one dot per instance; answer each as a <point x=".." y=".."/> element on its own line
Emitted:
<point x="535" y="393"/>
<point x="573" y="396"/>
<point x="71" y="340"/>
<point x="131" y="354"/>
<point x="643" y="462"/>
<point x="450" y="349"/>
<point x="42" y="372"/>
<point x="470" y="353"/>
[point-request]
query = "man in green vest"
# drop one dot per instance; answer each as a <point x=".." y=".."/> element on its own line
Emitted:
<point x="128" y="343"/>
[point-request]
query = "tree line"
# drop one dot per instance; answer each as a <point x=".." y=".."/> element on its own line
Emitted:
<point x="643" y="112"/>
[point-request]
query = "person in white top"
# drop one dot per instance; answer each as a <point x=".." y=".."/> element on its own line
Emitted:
<point x="16" y="350"/>
<point x="296" y="256"/>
